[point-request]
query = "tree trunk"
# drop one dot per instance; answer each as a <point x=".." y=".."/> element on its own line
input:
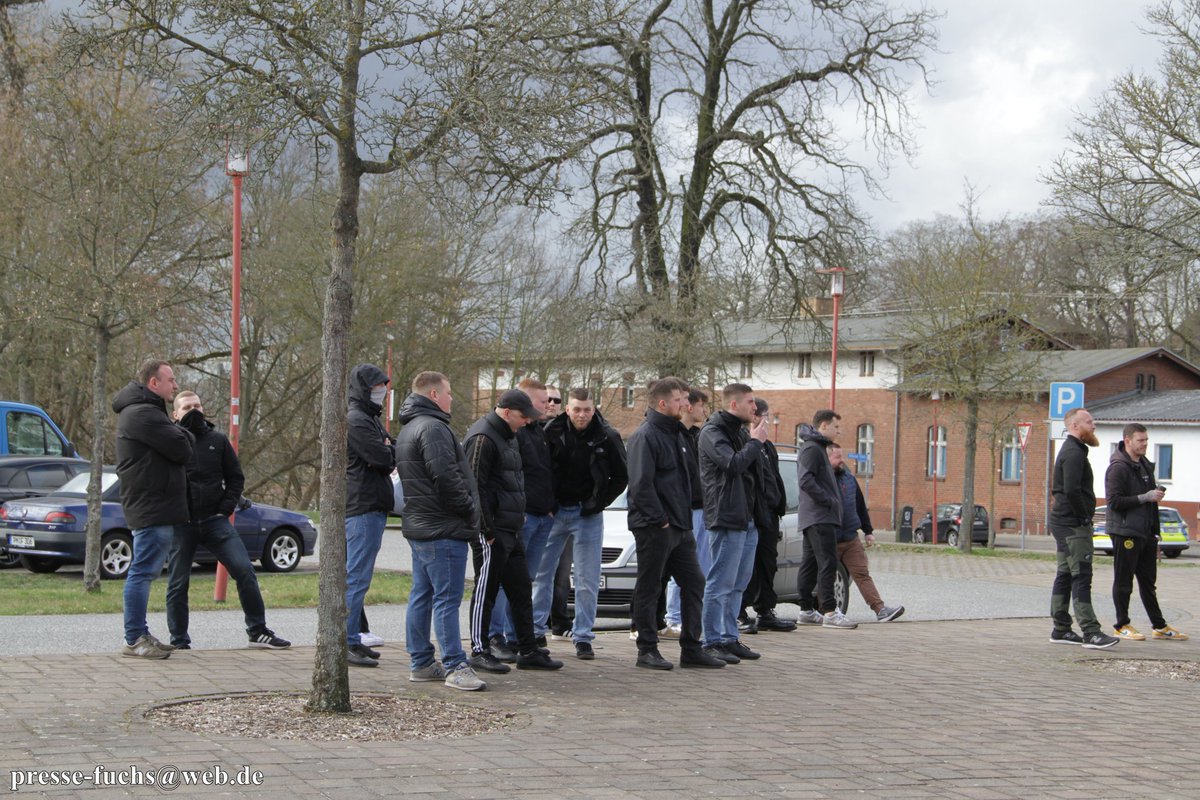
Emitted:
<point x="967" y="527"/>
<point x="331" y="682"/>
<point x="91" y="558"/>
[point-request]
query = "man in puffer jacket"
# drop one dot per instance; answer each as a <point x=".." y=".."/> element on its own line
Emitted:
<point x="819" y="516"/>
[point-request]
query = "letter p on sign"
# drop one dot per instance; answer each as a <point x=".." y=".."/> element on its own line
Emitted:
<point x="1064" y="397"/>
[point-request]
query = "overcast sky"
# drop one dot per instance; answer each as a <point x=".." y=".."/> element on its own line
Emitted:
<point x="1010" y="76"/>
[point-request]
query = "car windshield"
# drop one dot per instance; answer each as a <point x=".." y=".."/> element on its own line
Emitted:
<point x="947" y="511"/>
<point x="1169" y="516"/>
<point x="77" y="486"/>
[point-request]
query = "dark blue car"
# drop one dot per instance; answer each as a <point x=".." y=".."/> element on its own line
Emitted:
<point x="47" y="532"/>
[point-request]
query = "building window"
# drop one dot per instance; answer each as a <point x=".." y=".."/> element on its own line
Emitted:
<point x="1164" y="462"/>
<point x="866" y="448"/>
<point x="746" y="368"/>
<point x="1139" y="382"/>
<point x="804" y="365"/>
<point x="1010" y="468"/>
<point x="628" y="396"/>
<point x="1151" y="383"/>
<point x="935" y="452"/>
<point x="866" y="363"/>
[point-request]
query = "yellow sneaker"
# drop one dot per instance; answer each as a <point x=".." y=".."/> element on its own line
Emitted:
<point x="1131" y="633"/>
<point x="1167" y="632"/>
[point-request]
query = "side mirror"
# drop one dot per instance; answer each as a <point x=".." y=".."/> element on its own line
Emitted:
<point x="243" y="503"/>
<point x="69" y="450"/>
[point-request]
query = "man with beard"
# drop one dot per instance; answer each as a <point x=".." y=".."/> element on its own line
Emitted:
<point x="1071" y="524"/>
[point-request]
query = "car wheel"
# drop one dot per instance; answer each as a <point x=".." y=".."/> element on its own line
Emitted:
<point x="841" y="587"/>
<point x="919" y="536"/>
<point x="282" y="551"/>
<point x="952" y="537"/>
<point x="116" y="554"/>
<point x="1172" y="553"/>
<point x="9" y="560"/>
<point x="40" y="565"/>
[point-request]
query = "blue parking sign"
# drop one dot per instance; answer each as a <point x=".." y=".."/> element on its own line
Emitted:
<point x="1064" y="397"/>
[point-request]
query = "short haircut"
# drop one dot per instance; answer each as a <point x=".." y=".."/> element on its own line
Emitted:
<point x="1131" y="429"/>
<point x="531" y="383"/>
<point x="425" y="381"/>
<point x="581" y="393"/>
<point x="823" y="416"/>
<point x="663" y="388"/>
<point x="760" y="407"/>
<point x="1070" y="416"/>
<point x="697" y="396"/>
<point x="734" y="390"/>
<point x="149" y="369"/>
<point x="179" y="398"/>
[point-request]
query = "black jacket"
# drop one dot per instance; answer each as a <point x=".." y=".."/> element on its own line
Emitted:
<point x="600" y="448"/>
<point x="539" y="474"/>
<point x="820" y="502"/>
<point x="1123" y="482"/>
<point x="694" y="456"/>
<point x="660" y="480"/>
<point x="369" y="455"/>
<point x="215" y="479"/>
<point x="1073" y="487"/>
<point x="152" y="454"/>
<point x="440" y="497"/>
<point x="770" y="501"/>
<point x="728" y="461"/>
<point x="492" y="452"/>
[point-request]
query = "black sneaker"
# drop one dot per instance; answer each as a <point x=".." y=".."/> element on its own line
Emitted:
<point x="363" y="650"/>
<point x="537" y="659"/>
<point x="501" y="651"/>
<point x="770" y="622"/>
<point x="488" y="663"/>
<point x="186" y="646"/>
<point x="741" y="651"/>
<point x="717" y="651"/>
<point x="1099" y="641"/>
<point x="747" y="625"/>
<point x="652" y="659"/>
<point x="358" y="660"/>
<point x="267" y="640"/>
<point x="699" y="659"/>
<point x="584" y="650"/>
<point x="541" y="642"/>
<point x="1065" y="637"/>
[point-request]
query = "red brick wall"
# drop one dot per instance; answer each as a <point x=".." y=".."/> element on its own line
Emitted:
<point x="1168" y="374"/>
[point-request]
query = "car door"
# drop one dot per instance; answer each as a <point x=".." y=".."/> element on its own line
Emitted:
<point x="792" y="544"/>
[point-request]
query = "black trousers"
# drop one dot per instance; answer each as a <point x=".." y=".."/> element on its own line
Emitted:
<point x="667" y="553"/>
<point x="1136" y="557"/>
<point x="560" y="614"/>
<point x="760" y="592"/>
<point x="818" y="567"/>
<point x="501" y="562"/>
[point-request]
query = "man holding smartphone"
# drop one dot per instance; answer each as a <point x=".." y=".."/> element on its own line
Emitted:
<point x="1132" y="523"/>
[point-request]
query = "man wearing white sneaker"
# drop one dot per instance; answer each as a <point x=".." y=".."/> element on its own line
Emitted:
<point x="1132" y="522"/>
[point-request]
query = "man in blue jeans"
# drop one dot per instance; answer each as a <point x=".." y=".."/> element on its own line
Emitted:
<point x="729" y="460"/>
<point x="215" y="483"/>
<point x="369" y="463"/>
<point x="588" y="458"/>
<point x="152" y="453"/>
<point x="441" y="515"/>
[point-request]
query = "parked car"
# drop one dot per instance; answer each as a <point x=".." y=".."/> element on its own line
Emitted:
<point x="33" y="476"/>
<point x="27" y="430"/>
<point x="618" y="569"/>
<point x="949" y="525"/>
<point x="1173" y="528"/>
<point x="47" y="532"/>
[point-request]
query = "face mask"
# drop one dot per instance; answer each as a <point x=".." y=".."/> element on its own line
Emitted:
<point x="378" y="395"/>
<point x="193" y="420"/>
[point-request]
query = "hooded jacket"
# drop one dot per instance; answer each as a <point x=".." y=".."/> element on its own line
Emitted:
<point x="820" y="501"/>
<point x="1072" y="486"/>
<point x="660" y="480"/>
<point x="369" y="455"/>
<point x="441" y="500"/>
<point x="215" y="479"/>
<point x="1123" y="482"/>
<point x="152" y="454"/>
<point x="854" y="508"/>
<point x="600" y="449"/>
<point x="729" y="459"/>
<point x="495" y="459"/>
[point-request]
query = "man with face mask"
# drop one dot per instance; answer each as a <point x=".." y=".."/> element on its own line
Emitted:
<point x="215" y="484"/>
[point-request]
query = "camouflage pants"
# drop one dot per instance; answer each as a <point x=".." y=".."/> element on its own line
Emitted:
<point x="1073" y="580"/>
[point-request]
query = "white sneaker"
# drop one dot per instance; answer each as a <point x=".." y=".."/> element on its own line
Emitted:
<point x="670" y="632"/>
<point x="836" y="619"/>
<point x="811" y="617"/>
<point x="370" y="640"/>
<point x="633" y="636"/>
<point x="565" y="636"/>
<point x="463" y="677"/>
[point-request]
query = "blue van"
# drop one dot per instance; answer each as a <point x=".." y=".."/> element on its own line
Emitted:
<point x="26" y="430"/>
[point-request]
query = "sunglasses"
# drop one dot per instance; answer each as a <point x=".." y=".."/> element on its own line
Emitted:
<point x="556" y="400"/>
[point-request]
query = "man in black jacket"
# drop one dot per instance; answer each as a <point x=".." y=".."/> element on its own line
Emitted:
<point x="499" y="557"/>
<point x="152" y="453"/>
<point x="729" y="459"/>
<point x="215" y="483"/>
<point x="660" y="517"/>
<point x="770" y="504"/>
<point x="1131" y="521"/>
<point x="441" y="514"/>
<point x="1071" y="513"/>
<point x="819" y="515"/>
<point x="369" y="463"/>
<point x="589" y="473"/>
<point x="694" y="416"/>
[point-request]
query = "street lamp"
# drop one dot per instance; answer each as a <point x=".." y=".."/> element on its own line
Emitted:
<point x="837" y="286"/>
<point x="935" y="397"/>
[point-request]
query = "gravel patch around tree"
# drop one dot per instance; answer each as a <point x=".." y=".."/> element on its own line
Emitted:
<point x="1154" y="668"/>
<point x="375" y="718"/>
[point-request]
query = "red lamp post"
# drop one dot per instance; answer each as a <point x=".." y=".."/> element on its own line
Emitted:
<point x="935" y="397"/>
<point x="837" y="286"/>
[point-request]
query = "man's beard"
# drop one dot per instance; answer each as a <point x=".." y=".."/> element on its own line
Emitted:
<point x="1089" y="439"/>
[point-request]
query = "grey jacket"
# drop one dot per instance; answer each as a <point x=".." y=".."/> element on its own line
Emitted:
<point x="820" y="500"/>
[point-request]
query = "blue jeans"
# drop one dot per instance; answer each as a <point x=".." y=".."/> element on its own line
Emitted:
<point x="732" y="564"/>
<point x="364" y="537"/>
<point x="150" y="548"/>
<point x="589" y="538"/>
<point x="439" y="572"/>
<point x="702" y="554"/>
<point x="222" y="540"/>
<point x="533" y="537"/>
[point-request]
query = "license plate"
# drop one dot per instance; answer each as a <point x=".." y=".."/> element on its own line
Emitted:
<point x="20" y="541"/>
<point x="603" y="582"/>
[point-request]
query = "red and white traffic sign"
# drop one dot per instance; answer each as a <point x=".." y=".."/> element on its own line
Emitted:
<point x="1023" y="429"/>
